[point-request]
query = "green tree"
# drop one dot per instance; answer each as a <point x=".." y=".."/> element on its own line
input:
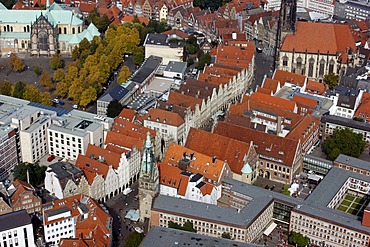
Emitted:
<point x="188" y="226"/>
<point x="285" y="190"/>
<point x="124" y="74"/>
<point x="58" y="75"/>
<point x="62" y="89"/>
<point x="101" y="22"/>
<point x="226" y="235"/>
<point x="88" y="96"/>
<point x="36" y="173"/>
<point x="203" y="60"/>
<point x="134" y="239"/>
<point x="298" y="239"/>
<point x="37" y="70"/>
<point x="114" y="108"/>
<point x="45" y="80"/>
<point x="358" y="119"/>
<point x="331" y="80"/>
<point x="45" y="98"/>
<point x="19" y="88"/>
<point x="138" y="57"/>
<point x="16" y="63"/>
<point x="56" y="61"/>
<point x="344" y="141"/>
<point x="6" y="88"/>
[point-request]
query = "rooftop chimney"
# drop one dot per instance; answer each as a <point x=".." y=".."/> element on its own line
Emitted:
<point x="214" y="159"/>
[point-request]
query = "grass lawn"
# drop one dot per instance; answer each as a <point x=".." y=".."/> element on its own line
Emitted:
<point x="356" y="206"/>
<point x="359" y="200"/>
<point x="352" y="211"/>
<point x="342" y="208"/>
<point x="350" y="198"/>
<point x="346" y="203"/>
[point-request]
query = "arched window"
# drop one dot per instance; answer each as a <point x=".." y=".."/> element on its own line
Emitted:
<point x="43" y="41"/>
<point x="22" y="44"/>
<point x="65" y="30"/>
<point x="28" y="28"/>
<point x="24" y="29"/>
<point x="11" y="29"/>
<point x="331" y="66"/>
<point x="79" y="30"/>
<point x="285" y="61"/>
<point x="4" y="28"/>
<point x="7" y="28"/>
<point x="322" y="67"/>
<point x="73" y="30"/>
<point x="299" y="62"/>
<point x="310" y="67"/>
<point x="60" y="30"/>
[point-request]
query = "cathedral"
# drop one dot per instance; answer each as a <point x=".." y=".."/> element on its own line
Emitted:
<point x="148" y="180"/>
<point x="42" y="32"/>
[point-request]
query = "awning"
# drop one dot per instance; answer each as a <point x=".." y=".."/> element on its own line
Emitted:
<point x="270" y="228"/>
<point x="133" y="214"/>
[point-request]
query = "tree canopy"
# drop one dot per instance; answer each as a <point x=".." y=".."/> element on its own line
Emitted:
<point x="344" y="141"/>
<point x="16" y="63"/>
<point x="101" y="22"/>
<point x="226" y="235"/>
<point x="212" y="4"/>
<point x="94" y="63"/>
<point x="331" y="80"/>
<point x="134" y="239"/>
<point x="285" y="190"/>
<point x="114" y="108"/>
<point x="124" y="74"/>
<point x="45" y="80"/>
<point x="36" y="173"/>
<point x="56" y="61"/>
<point x="19" y="88"/>
<point x="298" y="239"/>
<point x="6" y="88"/>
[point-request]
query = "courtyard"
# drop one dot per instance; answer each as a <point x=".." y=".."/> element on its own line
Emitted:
<point x="353" y="205"/>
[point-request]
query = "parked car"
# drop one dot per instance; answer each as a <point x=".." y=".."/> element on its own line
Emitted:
<point x="51" y="157"/>
<point x="259" y="50"/>
<point x="56" y="101"/>
<point x="61" y="102"/>
<point x="75" y="106"/>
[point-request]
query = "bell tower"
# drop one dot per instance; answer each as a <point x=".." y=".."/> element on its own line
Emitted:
<point x="148" y="180"/>
<point x="286" y="24"/>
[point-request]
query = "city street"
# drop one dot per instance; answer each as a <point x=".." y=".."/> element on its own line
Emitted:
<point x="118" y="206"/>
<point x="263" y="66"/>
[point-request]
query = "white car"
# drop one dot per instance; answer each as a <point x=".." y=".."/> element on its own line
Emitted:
<point x="9" y="54"/>
<point x="138" y="230"/>
<point x="56" y="101"/>
<point x="75" y="106"/>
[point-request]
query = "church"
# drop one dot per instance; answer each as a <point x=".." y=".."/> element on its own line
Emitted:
<point x="42" y="32"/>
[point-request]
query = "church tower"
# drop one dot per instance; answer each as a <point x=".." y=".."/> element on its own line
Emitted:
<point x="148" y="180"/>
<point x="286" y="24"/>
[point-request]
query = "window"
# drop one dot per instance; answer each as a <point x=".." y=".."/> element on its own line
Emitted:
<point x="331" y="66"/>
<point x="43" y="41"/>
<point x="322" y="67"/>
<point x="285" y="61"/>
<point x="299" y="62"/>
<point x="310" y="67"/>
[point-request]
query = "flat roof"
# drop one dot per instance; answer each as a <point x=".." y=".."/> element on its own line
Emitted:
<point x="177" y="67"/>
<point x="350" y="123"/>
<point x="14" y="219"/>
<point x="162" y="236"/>
<point x="150" y="65"/>
<point x="63" y="170"/>
<point x="351" y="161"/>
<point x="159" y="84"/>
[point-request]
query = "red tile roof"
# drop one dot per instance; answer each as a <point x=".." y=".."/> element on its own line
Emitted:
<point x="226" y="149"/>
<point x="122" y="143"/>
<point x="271" y="84"/>
<point x="274" y="101"/>
<point x="164" y="117"/>
<point x="183" y="100"/>
<point x="176" y="32"/>
<point x="87" y="7"/>
<point x="91" y="167"/>
<point x="363" y="111"/>
<point x="286" y="76"/>
<point x="301" y="100"/>
<point x="282" y="150"/>
<point x="109" y="157"/>
<point x="315" y="87"/>
<point x="201" y="163"/>
<point x="127" y="114"/>
<point x="131" y="129"/>
<point x="303" y="130"/>
<point x="312" y="37"/>
<point x="171" y="176"/>
<point x="264" y="90"/>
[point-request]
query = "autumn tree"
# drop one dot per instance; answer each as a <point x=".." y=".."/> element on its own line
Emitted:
<point x="75" y="90"/>
<point x="16" y="63"/>
<point x="6" y="88"/>
<point x="37" y="70"/>
<point x="45" y="80"/>
<point x="58" y="75"/>
<point x="62" y="89"/>
<point x="101" y="22"/>
<point x="88" y="96"/>
<point x="32" y="93"/>
<point x="124" y="74"/>
<point x="56" y="61"/>
<point x="139" y="56"/>
<point x="19" y="89"/>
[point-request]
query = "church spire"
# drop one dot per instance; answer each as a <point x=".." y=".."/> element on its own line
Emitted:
<point x="148" y="161"/>
<point x="47" y="4"/>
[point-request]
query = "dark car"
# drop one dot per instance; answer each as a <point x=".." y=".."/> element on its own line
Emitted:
<point x="61" y="102"/>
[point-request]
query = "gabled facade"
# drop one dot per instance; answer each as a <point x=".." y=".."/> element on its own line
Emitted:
<point x="24" y="197"/>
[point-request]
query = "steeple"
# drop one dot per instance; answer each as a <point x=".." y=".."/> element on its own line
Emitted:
<point x="148" y="161"/>
<point x="47" y="4"/>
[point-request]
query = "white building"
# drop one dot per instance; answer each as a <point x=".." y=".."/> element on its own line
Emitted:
<point x="79" y="213"/>
<point x="158" y="45"/>
<point x="16" y="229"/>
<point x="70" y="134"/>
<point x="169" y="125"/>
<point x="323" y="7"/>
<point x="175" y="69"/>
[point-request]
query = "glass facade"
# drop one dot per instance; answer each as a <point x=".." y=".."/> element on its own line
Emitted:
<point x="282" y="212"/>
<point x="316" y="164"/>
